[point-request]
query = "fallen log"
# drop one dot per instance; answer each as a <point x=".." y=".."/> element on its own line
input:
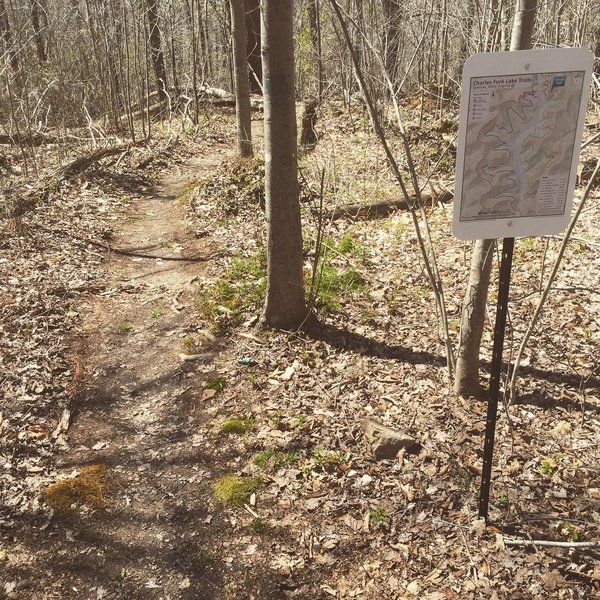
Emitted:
<point x="45" y="186"/>
<point x="38" y="139"/>
<point x="83" y="162"/>
<point x="208" y="96"/>
<point x="386" y="207"/>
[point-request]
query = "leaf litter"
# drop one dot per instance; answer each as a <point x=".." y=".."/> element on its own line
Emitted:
<point x="377" y="355"/>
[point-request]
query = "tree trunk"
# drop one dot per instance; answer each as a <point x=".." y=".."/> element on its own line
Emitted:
<point x="285" y="305"/>
<point x="492" y="31"/>
<point x="315" y="36"/>
<point x="466" y="382"/>
<point x="253" y="26"/>
<point x="6" y="38"/>
<point x="523" y="25"/>
<point x="597" y="50"/>
<point x="37" y="32"/>
<point x="242" y="90"/>
<point x="156" y="53"/>
<point x="392" y="10"/>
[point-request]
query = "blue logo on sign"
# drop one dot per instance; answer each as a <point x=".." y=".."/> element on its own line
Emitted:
<point x="558" y="81"/>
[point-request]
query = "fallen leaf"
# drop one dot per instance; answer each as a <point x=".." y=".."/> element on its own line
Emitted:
<point x="413" y="587"/>
<point x="289" y="372"/>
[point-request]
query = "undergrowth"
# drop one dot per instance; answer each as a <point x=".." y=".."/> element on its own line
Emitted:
<point x="238" y="185"/>
<point x="240" y="290"/>
<point x="273" y="460"/>
<point x="334" y="281"/>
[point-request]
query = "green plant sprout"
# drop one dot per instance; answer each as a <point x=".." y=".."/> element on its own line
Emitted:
<point x="503" y="499"/>
<point x="379" y="516"/>
<point x="159" y="311"/>
<point x="124" y="327"/>
<point x="571" y="531"/>
<point x="240" y="290"/>
<point x="324" y="460"/>
<point x="274" y="460"/>
<point x="547" y="466"/>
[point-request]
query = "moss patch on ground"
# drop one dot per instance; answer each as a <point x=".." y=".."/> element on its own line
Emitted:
<point x="92" y="487"/>
<point x="237" y="426"/>
<point x="235" y="490"/>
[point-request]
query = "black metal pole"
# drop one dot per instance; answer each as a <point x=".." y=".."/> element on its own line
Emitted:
<point x="508" y="245"/>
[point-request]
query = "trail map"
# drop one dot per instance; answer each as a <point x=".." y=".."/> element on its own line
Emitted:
<point x="520" y="138"/>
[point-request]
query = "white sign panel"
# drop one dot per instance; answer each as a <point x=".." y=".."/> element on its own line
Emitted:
<point x="521" y="123"/>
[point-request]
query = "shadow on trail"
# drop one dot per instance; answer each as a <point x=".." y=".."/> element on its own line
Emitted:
<point x="82" y="550"/>
<point x="135" y="252"/>
<point x="547" y="402"/>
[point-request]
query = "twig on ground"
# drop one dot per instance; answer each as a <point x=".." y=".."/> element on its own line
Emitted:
<point x="551" y="544"/>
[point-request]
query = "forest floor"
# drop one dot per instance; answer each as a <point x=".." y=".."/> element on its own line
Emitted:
<point x="154" y="444"/>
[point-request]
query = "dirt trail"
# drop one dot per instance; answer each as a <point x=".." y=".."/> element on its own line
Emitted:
<point x="138" y="415"/>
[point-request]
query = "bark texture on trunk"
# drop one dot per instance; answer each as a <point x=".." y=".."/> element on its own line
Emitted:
<point x="156" y="53"/>
<point x="7" y="41"/>
<point x="523" y="25"/>
<point x="315" y="36"/>
<point x="392" y="9"/>
<point x="37" y="32"/>
<point x="466" y="382"/>
<point x="285" y="306"/>
<point x="253" y="44"/>
<point x="597" y="50"/>
<point x="242" y="90"/>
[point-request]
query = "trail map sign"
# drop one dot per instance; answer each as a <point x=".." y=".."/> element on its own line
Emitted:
<point x="521" y="123"/>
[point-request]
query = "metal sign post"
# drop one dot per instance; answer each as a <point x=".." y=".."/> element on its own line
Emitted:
<point x="508" y="245"/>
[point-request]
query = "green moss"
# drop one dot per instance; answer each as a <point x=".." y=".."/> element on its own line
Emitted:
<point x="190" y="345"/>
<point x="235" y="490"/>
<point x="91" y="488"/>
<point x="349" y="245"/>
<point x="237" y="426"/>
<point x="259" y="526"/>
